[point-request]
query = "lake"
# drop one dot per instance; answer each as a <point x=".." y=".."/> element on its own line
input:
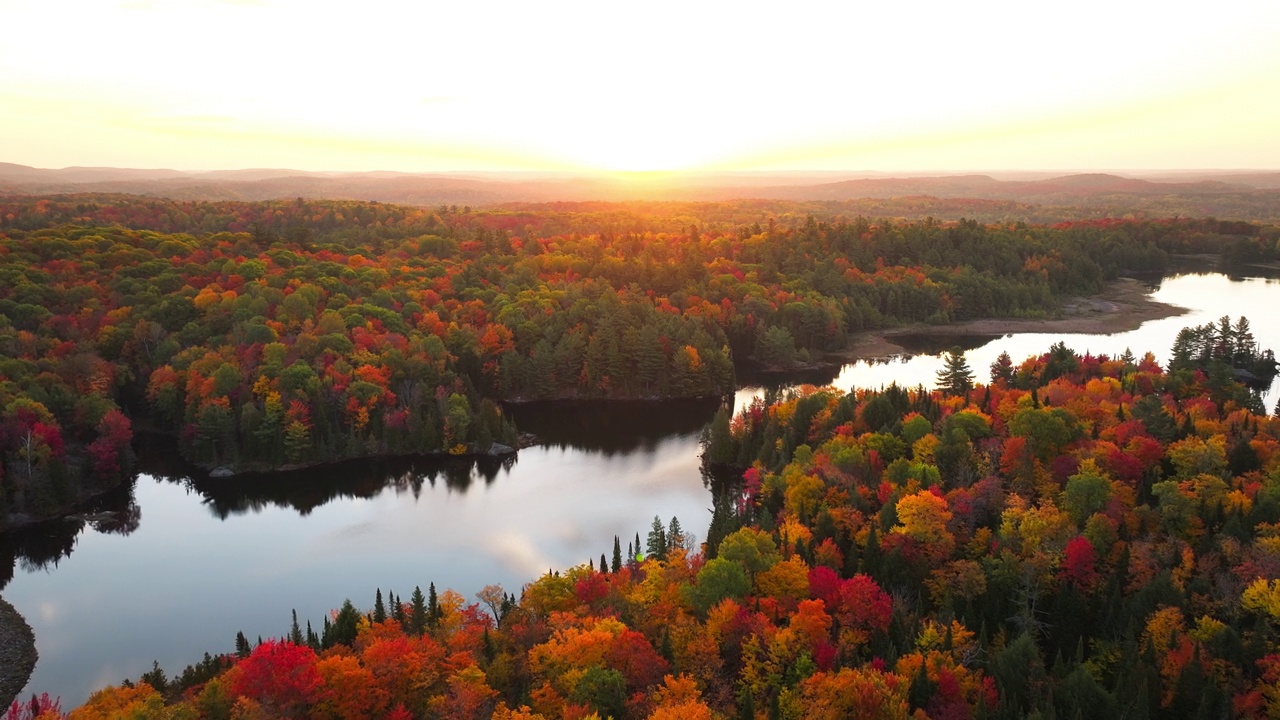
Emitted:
<point x="189" y="563"/>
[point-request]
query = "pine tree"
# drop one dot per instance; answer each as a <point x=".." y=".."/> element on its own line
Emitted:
<point x="379" y="610"/>
<point x="617" y="555"/>
<point x="675" y="534"/>
<point x="397" y="608"/>
<point x="955" y="377"/>
<point x="295" y="632"/>
<point x="434" y="611"/>
<point x="604" y="564"/>
<point x="418" y="615"/>
<point x="921" y="689"/>
<point x="657" y="545"/>
<point x="242" y="645"/>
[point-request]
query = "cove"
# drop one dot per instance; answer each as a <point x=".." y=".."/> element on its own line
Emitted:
<point x="178" y="566"/>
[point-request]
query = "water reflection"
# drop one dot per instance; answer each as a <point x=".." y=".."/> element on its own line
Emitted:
<point x="936" y="343"/>
<point x="306" y="490"/>
<point x="44" y="545"/>
<point x="611" y="428"/>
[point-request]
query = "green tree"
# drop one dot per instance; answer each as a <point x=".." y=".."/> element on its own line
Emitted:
<point x="1086" y="493"/>
<point x="418" y="613"/>
<point x="955" y="377"/>
<point x="753" y="549"/>
<point x="717" y="580"/>
<point x="656" y="547"/>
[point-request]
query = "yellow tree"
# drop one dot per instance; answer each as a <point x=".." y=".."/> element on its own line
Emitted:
<point x="923" y="517"/>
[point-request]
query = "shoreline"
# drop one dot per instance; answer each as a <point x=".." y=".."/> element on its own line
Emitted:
<point x="1123" y="305"/>
<point x="17" y="653"/>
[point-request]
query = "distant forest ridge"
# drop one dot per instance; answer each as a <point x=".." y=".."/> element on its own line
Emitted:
<point x="1034" y="197"/>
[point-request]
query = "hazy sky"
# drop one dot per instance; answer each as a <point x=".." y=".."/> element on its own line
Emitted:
<point x="629" y="85"/>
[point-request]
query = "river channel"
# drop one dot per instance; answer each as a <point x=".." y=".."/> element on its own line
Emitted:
<point x="189" y="563"/>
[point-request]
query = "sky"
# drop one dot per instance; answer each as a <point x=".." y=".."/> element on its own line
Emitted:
<point x="696" y="85"/>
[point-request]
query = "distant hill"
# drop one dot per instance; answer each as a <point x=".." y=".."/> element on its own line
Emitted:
<point x="1236" y="195"/>
<point x="24" y="174"/>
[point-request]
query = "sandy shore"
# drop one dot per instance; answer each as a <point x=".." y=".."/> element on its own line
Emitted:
<point x="1122" y="306"/>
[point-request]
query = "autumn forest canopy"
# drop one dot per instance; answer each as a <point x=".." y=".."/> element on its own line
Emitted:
<point x="1060" y="535"/>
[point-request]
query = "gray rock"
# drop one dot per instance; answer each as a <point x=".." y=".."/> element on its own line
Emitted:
<point x="17" y="653"/>
<point x="222" y="472"/>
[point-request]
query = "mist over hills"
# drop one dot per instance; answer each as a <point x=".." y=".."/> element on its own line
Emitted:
<point x="1252" y="195"/>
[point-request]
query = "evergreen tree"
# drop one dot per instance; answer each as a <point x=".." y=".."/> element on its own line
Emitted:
<point x="434" y="612"/>
<point x="718" y="447"/>
<point x="346" y="625"/>
<point x="675" y="535"/>
<point x="397" y="608"/>
<point x="155" y="677"/>
<point x="955" y="377"/>
<point x="418" y="613"/>
<point x="657" y="546"/>
<point x="1002" y="368"/>
<point x="617" y="555"/>
<point x="295" y="632"/>
<point x="242" y="645"/>
<point x="921" y="689"/>
<point x="379" y="610"/>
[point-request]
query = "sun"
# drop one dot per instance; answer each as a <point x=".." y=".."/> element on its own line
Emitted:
<point x="625" y="144"/>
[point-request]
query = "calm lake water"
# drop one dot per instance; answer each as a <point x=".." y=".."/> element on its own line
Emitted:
<point x="192" y="563"/>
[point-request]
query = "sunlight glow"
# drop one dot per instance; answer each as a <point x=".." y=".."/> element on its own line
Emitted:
<point x="638" y="87"/>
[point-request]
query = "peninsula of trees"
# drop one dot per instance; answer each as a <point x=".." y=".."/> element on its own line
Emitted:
<point x="1080" y="536"/>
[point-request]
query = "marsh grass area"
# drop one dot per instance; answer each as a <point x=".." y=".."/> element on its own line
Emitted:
<point x="1123" y="305"/>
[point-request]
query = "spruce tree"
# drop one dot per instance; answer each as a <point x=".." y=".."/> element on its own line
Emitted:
<point x="418" y="614"/>
<point x="675" y="534"/>
<point x="955" y="377"/>
<point x="295" y="632"/>
<point x="657" y="545"/>
<point x="434" y="611"/>
<point x="379" y="610"/>
<point x="617" y="555"/>
<point x="346" y="625"/>
<point x="397" y="608"/>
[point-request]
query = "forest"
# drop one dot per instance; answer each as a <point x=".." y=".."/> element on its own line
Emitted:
<point x="1080" y="536"/>
<point x="1084" y="535"/>
<point x="285" y="333"/>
